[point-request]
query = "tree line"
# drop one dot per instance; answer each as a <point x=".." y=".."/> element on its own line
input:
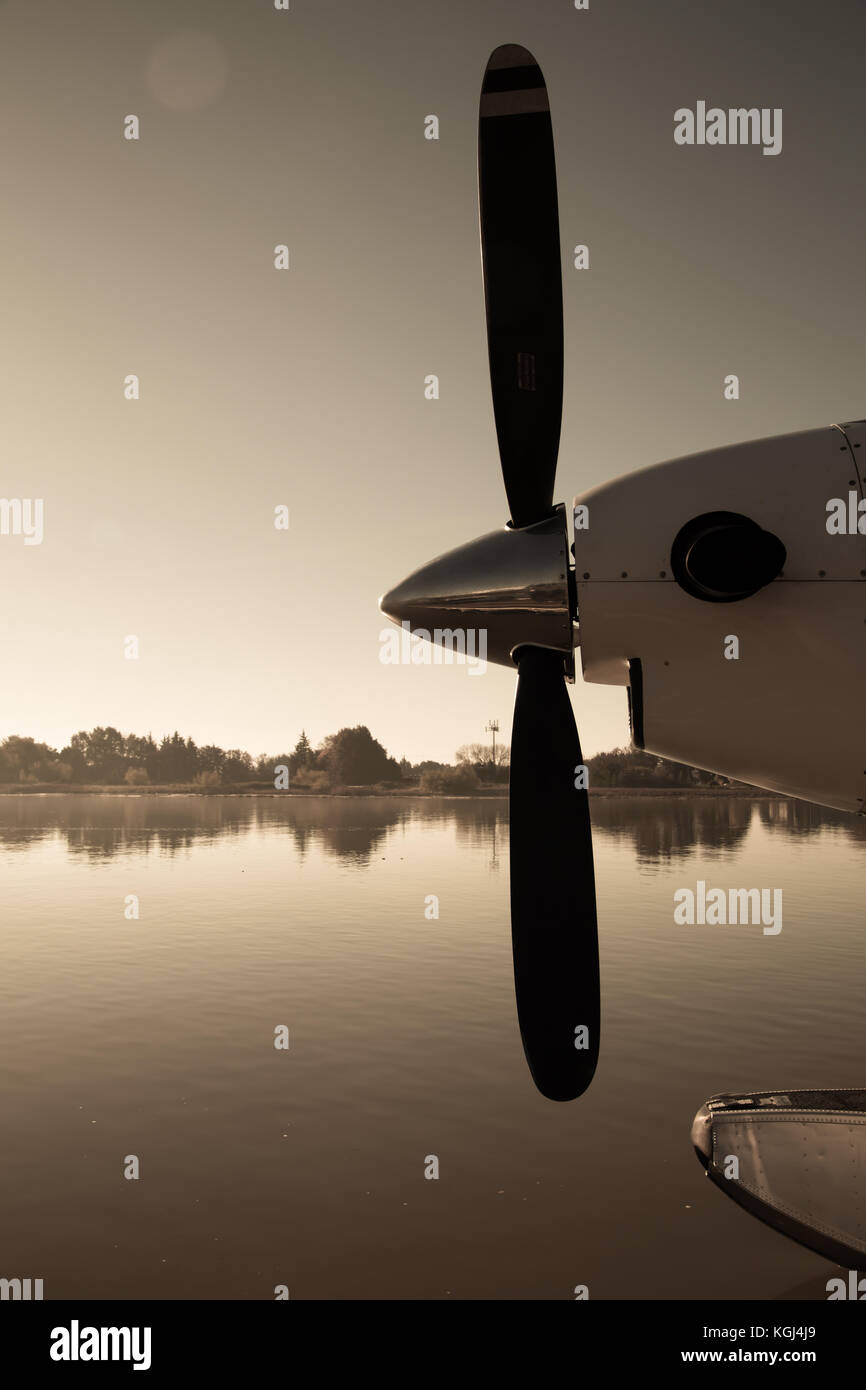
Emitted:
<point x="631" y="767"/>
<point x="349" y="758"/>
<point x="104" y="756"/>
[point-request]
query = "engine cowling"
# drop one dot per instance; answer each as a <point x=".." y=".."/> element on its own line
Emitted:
<point x="679" y="558"/>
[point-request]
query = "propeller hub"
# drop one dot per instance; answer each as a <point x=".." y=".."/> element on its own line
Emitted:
<point x="511" y="585"/>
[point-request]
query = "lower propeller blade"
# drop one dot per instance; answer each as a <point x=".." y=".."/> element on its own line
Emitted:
<point x="553" y="915"/>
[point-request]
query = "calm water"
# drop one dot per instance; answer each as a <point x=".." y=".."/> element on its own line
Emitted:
<point x="261" y="1167"/>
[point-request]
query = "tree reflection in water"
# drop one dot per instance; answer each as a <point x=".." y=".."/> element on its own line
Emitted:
<point x="354" y="828"/>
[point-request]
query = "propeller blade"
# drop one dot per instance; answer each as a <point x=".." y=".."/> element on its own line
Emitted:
<point x="520" y="256"/>
<point x="553" y="917"/>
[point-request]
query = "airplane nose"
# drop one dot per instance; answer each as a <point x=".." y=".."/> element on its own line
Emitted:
<point x="391" y="604"/>
<point x="412" y="600"/>
<point x="510" y="585"/>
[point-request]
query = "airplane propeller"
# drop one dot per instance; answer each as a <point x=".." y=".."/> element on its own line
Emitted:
<point x="553" y="909"/>
<point x="517" y="584"/>
<point x="744" y="525"/>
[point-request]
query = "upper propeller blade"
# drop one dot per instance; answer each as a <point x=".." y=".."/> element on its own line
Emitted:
<point x="520" y="255"/>
<point x="553" y="916"/>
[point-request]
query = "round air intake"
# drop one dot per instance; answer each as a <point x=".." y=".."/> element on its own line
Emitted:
<point x="721" y="557"/>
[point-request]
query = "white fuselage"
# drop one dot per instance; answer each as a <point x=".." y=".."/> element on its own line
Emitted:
<point x="782" y="705"/>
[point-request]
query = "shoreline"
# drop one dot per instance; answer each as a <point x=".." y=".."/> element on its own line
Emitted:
<point x="359" y="793"/>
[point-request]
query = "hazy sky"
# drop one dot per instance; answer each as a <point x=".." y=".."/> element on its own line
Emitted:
<point x="306" y="387"/>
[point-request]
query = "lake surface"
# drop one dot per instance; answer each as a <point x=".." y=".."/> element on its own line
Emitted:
<point x="155" y="1037"/>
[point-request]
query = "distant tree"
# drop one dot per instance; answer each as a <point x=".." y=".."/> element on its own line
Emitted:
<point x="25" y="760"/>
<point x="136" y="777"/>
<point x="211" y="759"/>
<point x="238" y="766"/>
<point x="102" y="754"/>
<point x="140" y="752"/>
<point x="266" y="764"/>
<point x="353" y="757"/>
<point x="451" y="781"/>
<point x="177" y="759"/>
<point x="480" y="756"/>
<point x="72" y="759"/>
<point x="302" y="755"/>
<point x="311" y="779"/>
<point x="632" y="767"/>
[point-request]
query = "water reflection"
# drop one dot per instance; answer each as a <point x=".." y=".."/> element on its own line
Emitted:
<point x="661" y="828"/>
<point x="100" y="827"/>
<point x="403" y="1028"/>
<point x="658" y="828"/>
<point x="803" y="818"/>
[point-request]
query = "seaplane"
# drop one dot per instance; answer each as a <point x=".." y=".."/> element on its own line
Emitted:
<point x="724" y="590"/>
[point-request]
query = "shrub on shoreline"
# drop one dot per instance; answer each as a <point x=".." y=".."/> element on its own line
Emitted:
<point x="455" y="781"/>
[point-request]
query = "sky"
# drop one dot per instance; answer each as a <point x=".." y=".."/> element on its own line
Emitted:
<point x="304" y="387"/>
